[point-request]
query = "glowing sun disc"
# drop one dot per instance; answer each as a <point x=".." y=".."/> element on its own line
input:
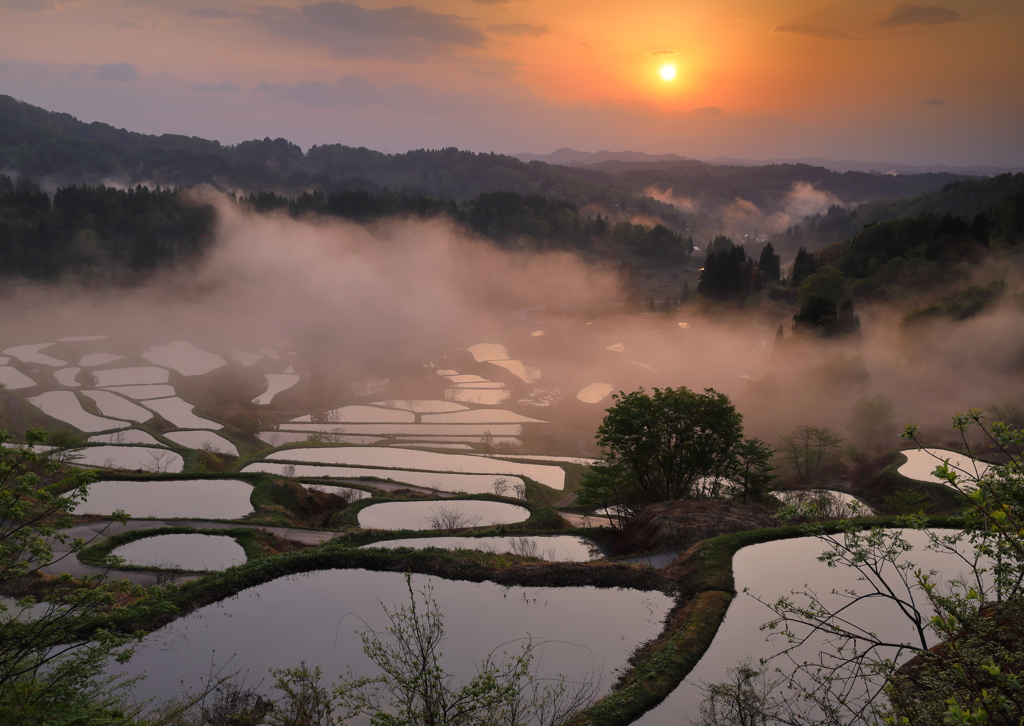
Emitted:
<point x="668" y="72"/>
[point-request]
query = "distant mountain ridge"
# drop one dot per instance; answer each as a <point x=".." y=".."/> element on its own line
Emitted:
<point x="635" y="159"/>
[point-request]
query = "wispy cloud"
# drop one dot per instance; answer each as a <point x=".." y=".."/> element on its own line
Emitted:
<point x="813" y="31"/>
<point x="664" y="52"/>
<point x="222" y="87"/>
<point x="405" y="33"/>
<point x="117" y="72"/>
<point x="519" y="30"/>
<point x="29" y="6"/>
<point x="707" y="111"/>
<point x="910" y="14"/>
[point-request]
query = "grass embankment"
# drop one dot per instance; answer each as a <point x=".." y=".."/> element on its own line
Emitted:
<point x="704" y="578"/>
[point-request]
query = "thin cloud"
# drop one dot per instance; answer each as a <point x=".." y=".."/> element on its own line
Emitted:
<point x="707" y="111"/>
<point x="404" y="33"/>
<point x="117" y="72"/>
<point x="813" y="31"/>
<point x="519" y="30"/>
<point x="664" y="52"/>
<point x="29" y="6"/>
<point x="910" y="14"/>
<point x="222" y="87"/>
<point x="216" y="14"/>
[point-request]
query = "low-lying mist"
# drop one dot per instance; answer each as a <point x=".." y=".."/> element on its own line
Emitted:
<point x="384" y="299"/>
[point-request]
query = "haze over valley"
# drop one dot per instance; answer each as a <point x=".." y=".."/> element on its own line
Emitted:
<point x="358" y="292"/>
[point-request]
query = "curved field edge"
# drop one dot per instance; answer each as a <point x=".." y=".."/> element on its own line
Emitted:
<point x="701" y="579"/>
<point x="706" y="586"/>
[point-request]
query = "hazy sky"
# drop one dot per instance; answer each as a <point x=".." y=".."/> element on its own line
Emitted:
<point x="862" y="79"/>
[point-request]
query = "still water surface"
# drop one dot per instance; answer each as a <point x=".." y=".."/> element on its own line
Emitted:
<point x="316" y="618"/>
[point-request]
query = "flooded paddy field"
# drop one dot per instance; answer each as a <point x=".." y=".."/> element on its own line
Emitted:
<point x="315" y="618"/>
<point x="756" y="568"/>
<point x="170" y="499"/>
<point x="456" y="514"/>
<point x="183" y="552"/>
<point x="442" y="481"/>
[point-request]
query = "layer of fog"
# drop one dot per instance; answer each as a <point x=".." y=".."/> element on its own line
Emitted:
<point x="381" y="301"/>
<point x="744" y="221"/>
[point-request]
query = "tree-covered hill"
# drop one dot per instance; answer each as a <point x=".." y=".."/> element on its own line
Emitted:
<point x="56" y="146"/>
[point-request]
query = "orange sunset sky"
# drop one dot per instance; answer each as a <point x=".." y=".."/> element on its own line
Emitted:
<point x="860" y="79"/>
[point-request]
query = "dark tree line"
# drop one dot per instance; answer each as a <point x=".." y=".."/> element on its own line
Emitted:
<point x="91" y="228"/>
<point x="731" y="274"/>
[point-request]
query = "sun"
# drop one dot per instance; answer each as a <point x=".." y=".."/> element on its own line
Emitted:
<point x="668" y="72"/>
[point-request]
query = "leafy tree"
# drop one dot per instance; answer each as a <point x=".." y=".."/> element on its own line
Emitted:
<point x="769" y="263"/>
<point x="728" y="274"/>
<point x="51" y="658"/>
<point x="669" y="444"/>
<point x="807" y="449"/>
<point x="413" y="688"/>
<point x="873" y="423"/>
<point x="803" y="267"/>
<point x="751" y="477"/>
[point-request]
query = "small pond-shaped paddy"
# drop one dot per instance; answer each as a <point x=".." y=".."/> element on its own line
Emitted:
<point x="553" y="549"/>
<point x="68" y="377"/>
<point x="421" y="406"/>
<point x="481" y="415"/>
<point x="110" y="404"/>
<point x="135" y="376"/>
<point x="424" y="515"/>
<point x="31" y="354"/>
<point x="595" y="392"/>
<point x="528" y="374"/>
<point x="276" y="383"/>
<point x="360" y="414"/>
<point x="316" y="618"/>
<point x="203" y="440"/>
<point x="921" y="464"/>
<point x="143" y="392"/>
<point x="184" y="498"/>
<point x="481" y="396"/>
<point x="130" y="457"/>
<point x="445" y="482"/>
<point x="64" y="405"/>
<point x="488" y="351"/>
<point x="126" y="436"/>
<point x="179" y="413"/>
<point x="12" y="379"/>
<point x="98" y="359"/>
<point x="552" y="476"/>
<point x="477" y="430"/>
<point x="184" y="357"/>
<point x="183" y="552"/>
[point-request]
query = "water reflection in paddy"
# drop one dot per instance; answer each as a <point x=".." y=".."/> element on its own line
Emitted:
<point x="315" y="618"/>
<point x="445" y="482"/>
<point x="130" y="457"/>
<point x="553" y="549"/>
<point x="183" y="551"/>
<point x="183" y="498"/>
<point x="419" y="515"/>
<point x="772" y="570"/>
<point x="552" y="476"/>
<point x="921" y="464"/>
